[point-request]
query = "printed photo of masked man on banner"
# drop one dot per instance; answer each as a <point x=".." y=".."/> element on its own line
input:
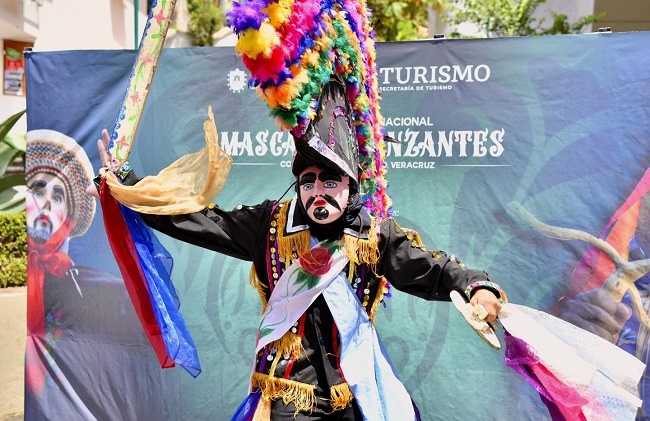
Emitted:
<point x="81" y="325"/>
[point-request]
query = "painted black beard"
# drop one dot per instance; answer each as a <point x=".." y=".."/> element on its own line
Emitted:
<point x="329" y="199"/>
<point x="330" y="231"/>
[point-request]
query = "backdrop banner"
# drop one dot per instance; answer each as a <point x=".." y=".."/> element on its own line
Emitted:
<point x="558" y="126"/>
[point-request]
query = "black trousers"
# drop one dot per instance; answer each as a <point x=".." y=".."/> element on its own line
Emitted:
<point x="322" y="412"/>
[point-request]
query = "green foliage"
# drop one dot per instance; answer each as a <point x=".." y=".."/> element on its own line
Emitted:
<point x="205" y="19"/>
<point x="398" y="20"/>
<point x="12" y="193"/>
<point x="402" y="20"/>
<point x="12" y="147"/>
<point x="8" y="124"/>
<point x="507" y="18"/>
<point x="561" y="24"/>
<point x="13" y="249"/>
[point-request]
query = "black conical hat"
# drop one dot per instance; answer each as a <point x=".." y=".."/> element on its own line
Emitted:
<point x="330" y="139"/>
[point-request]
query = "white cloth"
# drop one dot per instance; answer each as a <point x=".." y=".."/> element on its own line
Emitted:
<point x="367" y="369"/>
<point x="605" y="375"/>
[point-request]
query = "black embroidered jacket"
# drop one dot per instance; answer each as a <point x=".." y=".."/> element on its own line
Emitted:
<point x="304" y="363"/>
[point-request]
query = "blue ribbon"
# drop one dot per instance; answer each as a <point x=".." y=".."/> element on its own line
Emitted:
<point x="156" y="264"/>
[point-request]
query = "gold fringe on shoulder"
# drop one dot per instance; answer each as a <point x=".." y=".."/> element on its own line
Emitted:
<point x="298" y="242"/>
<point x="341" y="396"/>
<point x="282" y="216"/>
<point x="300" y="394"/>
<point x="188" y="185"/>
<point x="361" y="250"/>
<point x="257" y="284"/>
<point x="378" y="297"/>
<point x="288" y="344"/>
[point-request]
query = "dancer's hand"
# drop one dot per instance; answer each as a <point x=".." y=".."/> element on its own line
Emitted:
<point x="105" y="159"/>
<point x="489" y="301"/>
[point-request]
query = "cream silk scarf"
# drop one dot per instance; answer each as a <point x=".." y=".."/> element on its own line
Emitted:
<point x="188" y="185"/>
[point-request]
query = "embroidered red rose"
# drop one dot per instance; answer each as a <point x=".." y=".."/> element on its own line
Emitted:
<point x="318" y="261"/>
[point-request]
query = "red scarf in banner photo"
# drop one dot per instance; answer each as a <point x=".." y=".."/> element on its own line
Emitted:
<point x="119" y="238"/>
<point x="42" y="258"/>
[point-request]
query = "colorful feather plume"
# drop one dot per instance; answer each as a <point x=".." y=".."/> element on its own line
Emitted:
<point x="292" y="47"/>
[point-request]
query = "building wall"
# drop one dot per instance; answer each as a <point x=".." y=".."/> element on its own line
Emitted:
<point x="626" y="16"/>
<point x="80" y="24"/>
<point x="622" y="16"/>
<point x="18" y="19"/>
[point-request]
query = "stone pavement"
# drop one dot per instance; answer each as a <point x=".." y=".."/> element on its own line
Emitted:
<point x="13" y="329"/>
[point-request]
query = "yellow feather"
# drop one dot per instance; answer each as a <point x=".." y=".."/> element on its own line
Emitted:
<point x="279" y="12"/>
<point x="253" y="43"/>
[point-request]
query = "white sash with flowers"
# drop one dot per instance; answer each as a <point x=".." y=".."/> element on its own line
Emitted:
<point x="298" y="287"/>
<point x="368" y="371"/>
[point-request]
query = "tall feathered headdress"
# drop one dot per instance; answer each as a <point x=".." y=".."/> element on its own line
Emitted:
<point x="293" y="48"/>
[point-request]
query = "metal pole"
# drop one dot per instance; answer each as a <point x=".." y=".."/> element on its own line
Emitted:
<point x="136" y="10"/>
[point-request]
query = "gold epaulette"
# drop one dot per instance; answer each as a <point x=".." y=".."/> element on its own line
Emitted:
<point x="363" y="250"/>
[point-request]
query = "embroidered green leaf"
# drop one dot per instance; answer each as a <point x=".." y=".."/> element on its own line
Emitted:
<point x="265" y="331"/>
<point x="305" y="279"/>
<point x="328" y="244"/>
